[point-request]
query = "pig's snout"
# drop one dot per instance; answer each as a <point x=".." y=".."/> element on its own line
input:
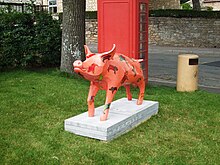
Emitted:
<point x="77" y="65"/>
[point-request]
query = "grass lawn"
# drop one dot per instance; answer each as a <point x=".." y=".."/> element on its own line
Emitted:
<point x="34" y="105"/>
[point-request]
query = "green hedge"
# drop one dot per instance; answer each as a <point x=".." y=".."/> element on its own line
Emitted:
<point x="28" y="40"/>
<point x="184" y="14"/>
<point x="171" y="13"/>
<point x="88" y="15"/>
<point x="91" y="15"/>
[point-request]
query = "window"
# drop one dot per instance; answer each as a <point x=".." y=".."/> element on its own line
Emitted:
<point x="52" y="6"/>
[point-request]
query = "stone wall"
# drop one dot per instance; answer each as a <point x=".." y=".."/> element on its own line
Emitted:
<point x="164" y="4"/>
<point x="187" y="32"/>
<point x="91" y="31"/>
<point x="166" y="31"/>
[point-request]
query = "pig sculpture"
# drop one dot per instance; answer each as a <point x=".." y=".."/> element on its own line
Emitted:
<point x="108" y="71"/>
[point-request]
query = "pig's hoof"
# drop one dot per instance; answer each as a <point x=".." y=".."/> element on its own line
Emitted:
<point x="103" y="118"/>
<point x="91" y="114"/>
<point x="139" y="102"/>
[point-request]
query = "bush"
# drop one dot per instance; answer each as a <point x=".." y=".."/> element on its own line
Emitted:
<point x="29" y="40"/>
<point x="184" y="14"/>
<point x="15" y="32"/>
<point x="209" y="8"/>
<point x="88" y="15"/>
<point x="91" y="15"/>
<point x="186" y="6"/>
<point x="48" y="39"/>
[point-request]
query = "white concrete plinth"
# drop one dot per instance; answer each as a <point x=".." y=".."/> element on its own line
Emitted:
<point x="123" y="116"/>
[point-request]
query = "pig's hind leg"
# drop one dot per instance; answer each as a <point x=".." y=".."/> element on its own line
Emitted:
<point x="141" y="86"/>
<point x="128" y="92"/>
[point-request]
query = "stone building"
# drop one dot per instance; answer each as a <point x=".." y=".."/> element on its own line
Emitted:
<point x="205" y="4"/>
<point x="215" y="4"/>
<point x="55" y="6"/>
<point x="91" y="5"/>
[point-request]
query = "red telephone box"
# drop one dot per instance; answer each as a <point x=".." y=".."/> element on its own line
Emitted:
<point x="124" y="23"/>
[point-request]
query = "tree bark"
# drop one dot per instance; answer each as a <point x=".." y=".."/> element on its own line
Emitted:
<point x="196" y="5"/>
<point x="73" y="33"/>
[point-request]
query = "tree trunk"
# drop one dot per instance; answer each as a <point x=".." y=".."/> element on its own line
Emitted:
<point x="196" y="5"/>
<point x="73" y="33"/>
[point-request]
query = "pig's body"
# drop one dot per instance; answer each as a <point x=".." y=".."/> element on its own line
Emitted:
<point x="108" y="71"/>
<point x="122" y="70"/>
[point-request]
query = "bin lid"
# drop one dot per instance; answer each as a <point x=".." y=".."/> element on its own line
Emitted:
<point x="188" y="56"/>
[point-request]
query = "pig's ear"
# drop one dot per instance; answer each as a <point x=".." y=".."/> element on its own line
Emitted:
<point x="87" y="51"/>
<point x="110" y="54"/>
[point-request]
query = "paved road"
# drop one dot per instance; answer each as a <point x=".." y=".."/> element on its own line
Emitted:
<point x="163" y="65"/>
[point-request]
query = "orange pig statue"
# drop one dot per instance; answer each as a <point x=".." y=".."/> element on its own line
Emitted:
<point x="108" y="71"/>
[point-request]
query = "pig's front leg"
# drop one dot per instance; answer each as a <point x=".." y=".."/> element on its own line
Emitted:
<point x="91" y="98"/>
<point x="110" y="92"/>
